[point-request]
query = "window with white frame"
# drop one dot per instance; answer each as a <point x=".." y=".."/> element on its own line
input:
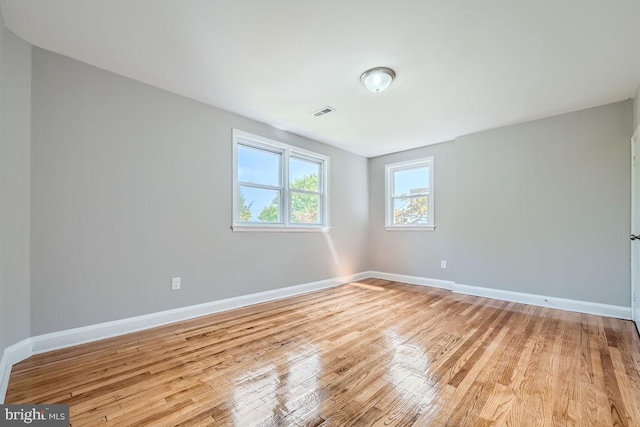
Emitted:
<point x="278" y="187"/>
<point x="409" y="195"/>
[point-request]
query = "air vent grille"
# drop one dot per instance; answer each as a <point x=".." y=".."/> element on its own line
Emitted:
<point x="323" y="111"/>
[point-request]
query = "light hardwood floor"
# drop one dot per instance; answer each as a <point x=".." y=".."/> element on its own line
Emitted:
<point x="369" y="353"/>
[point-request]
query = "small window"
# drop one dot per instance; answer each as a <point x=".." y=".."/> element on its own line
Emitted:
<point x="409" y="195"/>
<point x="278" y="187"/>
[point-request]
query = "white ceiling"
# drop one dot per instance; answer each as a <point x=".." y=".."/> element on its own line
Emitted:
<point x="462" y="65"/>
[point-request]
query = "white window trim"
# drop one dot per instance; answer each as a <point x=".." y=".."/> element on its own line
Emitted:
<point x="388" y="180"/>
<point x="246" y="138"/>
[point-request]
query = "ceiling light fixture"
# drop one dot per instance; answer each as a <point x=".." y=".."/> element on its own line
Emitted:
<point x="377" y="79"/>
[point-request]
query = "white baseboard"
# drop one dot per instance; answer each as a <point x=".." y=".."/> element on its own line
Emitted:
<point x="587" y="307"/>
<point x="57" y="340"/>
<point x="10" y="356"/>
<point x="85" y="334"/>
<point x="71" y="337"/>
<point x="413" y="280"/>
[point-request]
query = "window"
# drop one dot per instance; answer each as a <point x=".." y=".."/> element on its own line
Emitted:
<point x="277" y="187"/>
<point x="409" y="195"/>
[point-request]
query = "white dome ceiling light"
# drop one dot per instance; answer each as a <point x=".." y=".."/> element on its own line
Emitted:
<point x="377" y="79"/>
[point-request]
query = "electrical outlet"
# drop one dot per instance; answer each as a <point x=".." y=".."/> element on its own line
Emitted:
<point x="443" y="264"/>
<point x="175" y="283"/>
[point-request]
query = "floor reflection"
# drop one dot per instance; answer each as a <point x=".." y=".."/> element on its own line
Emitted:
<point x="269" y="393"/>
<point x="409" y="367"/>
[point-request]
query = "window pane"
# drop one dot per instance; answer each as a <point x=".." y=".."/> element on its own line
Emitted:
<point x="303" y="175"/>
<point x="411" y="210"/>
<point x="304" y="208"/>
<point x="258" y="166"/>
<point x="410" y="181"/>
<point x="259" y="205"/>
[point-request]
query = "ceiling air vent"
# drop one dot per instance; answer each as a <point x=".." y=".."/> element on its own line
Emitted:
<point x="323" y="111"/>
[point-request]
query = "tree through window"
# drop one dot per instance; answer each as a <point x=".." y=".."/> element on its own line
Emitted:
<point x="409" y="195"/>
<point x="277" y="185"/>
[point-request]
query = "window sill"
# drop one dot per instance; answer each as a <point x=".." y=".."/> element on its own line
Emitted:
<point x="291" y="229"/>
<point x="410" y="228"/>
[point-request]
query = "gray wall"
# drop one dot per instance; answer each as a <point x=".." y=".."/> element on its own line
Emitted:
<point x="541" y="207"/>
<point x="15" y="122"/>
<point x="544" y="207"/>
<point x="132" y="186"/>
<point x="636" y="109"/>
<point x="414" y="253"/>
